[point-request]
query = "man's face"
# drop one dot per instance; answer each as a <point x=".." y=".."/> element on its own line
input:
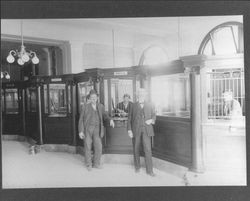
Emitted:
<point x="93" y="98"/>
<point x="141" y="97"/>
<point x="126" y="99"/>
<point x="227" y="97"/>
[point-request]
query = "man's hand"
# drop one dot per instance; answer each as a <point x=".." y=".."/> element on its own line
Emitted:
<point x="130" y="133"/>
<point x="112" y="123"/>
<point x="81" y="135"/>
<point x="149" y="121"/>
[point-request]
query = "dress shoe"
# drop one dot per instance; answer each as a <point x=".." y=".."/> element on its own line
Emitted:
<point x="151" y="174"/>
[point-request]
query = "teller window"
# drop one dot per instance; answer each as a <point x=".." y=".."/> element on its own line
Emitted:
<point x="83" y="91"/>
<point x="11" y="100"/>
<point x="31" y="100"/>
<point x="171" y="95"/>
<point x="119" y="87"/>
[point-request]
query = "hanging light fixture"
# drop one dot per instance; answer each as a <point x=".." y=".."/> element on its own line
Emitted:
<point x="23" y="55"/>
<point x="5" y="75"/>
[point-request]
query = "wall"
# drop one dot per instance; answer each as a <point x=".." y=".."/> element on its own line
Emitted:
<point x="91" y="44"/>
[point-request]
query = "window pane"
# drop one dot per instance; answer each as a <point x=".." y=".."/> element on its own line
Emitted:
<point x="46" y="109"/>
<point x="208" y="48"/>
<point x="119" y="87"/>
<point x="31" y="99"/>
<point x="171" y="95"/>
<point x="58" y="100"/>
<point x="83" y="90"/>
<point x="11" y="96"/>
<point x="106" y="95"/>
<point x="223" y="41"/>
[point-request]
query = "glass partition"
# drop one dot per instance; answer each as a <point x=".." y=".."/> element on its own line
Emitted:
<point x="2" y="100"/>
<point x="57" y="100"/>
<point x="119" y="87"/>
<point x="69" y="98"/>
<point x="11" y="98"/>
<point x="171" y="95"/>
<point x="106" y="95"/>
<point x="45" y="94"/>
<point x="31" y="99"/>
<point x="83" y="91"/>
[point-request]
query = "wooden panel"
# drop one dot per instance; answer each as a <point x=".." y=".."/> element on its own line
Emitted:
<point x="172" y="140"/>
<point x="117" y="139"/>
<point x="12" y="124"/>
<point x="57" y="130"/>
<point x="32" y="127"/>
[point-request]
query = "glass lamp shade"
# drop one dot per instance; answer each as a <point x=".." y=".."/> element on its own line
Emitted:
<point x="10" y="58"/>
<point x="1" y="75"/>
<point x="7" y="76"/>
<point x="35" y="60"/>
<point x="25" y="57"/>
<point x="20" y="61"/>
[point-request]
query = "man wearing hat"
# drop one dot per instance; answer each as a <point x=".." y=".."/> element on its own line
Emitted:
<point x="140" y="129"/>
<point x="91" y="129"/>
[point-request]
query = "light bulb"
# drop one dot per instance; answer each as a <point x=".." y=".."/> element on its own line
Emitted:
<point x="20" y="61"/>
<point x="10" y="58"/>
<point x="1" y="75"/>
<point x="25" y="57"/>
<point x="7" y="76"/>
<point x="35" y="60"/>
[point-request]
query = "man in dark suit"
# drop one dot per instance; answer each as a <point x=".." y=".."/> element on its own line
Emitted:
<point x="140" y="129"/>
<point x="91" y="129"/>
<point x="125" y="105"/>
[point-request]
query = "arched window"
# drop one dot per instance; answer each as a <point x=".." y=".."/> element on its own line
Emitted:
<point x="153" y="55"/>
<point x="226" y="38"/>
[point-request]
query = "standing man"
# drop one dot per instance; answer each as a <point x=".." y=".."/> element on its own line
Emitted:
<point x="140" y="129"/>
<point x="91" y="129"/>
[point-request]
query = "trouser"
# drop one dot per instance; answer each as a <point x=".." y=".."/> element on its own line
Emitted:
<point x="146" y="141"/>
<point x="93" y="135"/>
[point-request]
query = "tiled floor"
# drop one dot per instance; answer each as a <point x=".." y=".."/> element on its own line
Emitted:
<point x="54" y="169"/>
<point x="57" y="169"/>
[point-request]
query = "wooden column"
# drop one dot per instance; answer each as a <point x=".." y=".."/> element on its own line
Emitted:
<point x="73" y="110"/>
<point x="23" y="112"/>
<point x="39" y="115"/>
<point x="197" y="138"/>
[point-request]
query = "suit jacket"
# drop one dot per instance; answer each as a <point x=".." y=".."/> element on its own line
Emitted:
<point x="122" y="107"/>
<point x="134" y="118"/>
<point x="83" y="124"/>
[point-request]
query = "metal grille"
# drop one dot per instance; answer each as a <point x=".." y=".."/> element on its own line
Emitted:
<point x="219" y="82"/>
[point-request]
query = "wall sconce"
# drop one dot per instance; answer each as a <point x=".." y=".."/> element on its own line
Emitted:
<point x="5" y="75"/>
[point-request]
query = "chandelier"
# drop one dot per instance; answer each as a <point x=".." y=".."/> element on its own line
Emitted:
<point x="23" y="55"/>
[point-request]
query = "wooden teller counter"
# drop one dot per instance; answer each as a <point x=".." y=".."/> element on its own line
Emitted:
<point x="56" y="105"/>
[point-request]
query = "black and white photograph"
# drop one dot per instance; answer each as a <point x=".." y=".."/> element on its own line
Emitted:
<point x="123" y="102"/>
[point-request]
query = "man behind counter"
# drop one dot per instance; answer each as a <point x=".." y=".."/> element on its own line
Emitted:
<point x="126" y="105"/>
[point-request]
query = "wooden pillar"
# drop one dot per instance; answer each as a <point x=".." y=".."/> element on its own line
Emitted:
<point x="23" y="112"/>
<point x="73" y="109"/>
<point x="197" y="138"/>
<point x="39" y="115"/>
